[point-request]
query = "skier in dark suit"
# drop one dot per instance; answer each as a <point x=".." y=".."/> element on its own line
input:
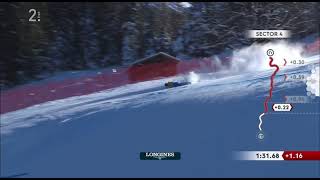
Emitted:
<point x="172" y="84"/>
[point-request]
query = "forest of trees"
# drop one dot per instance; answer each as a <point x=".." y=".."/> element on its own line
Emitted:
<point x="76" y="36"/>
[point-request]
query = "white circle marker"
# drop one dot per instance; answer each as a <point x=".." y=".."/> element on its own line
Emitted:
<point x="270" y="52"/>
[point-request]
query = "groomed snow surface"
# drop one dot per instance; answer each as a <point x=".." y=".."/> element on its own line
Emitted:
<point x="101" y="134"/>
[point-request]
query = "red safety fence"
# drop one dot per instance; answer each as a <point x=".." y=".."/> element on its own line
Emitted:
<point x="29" y="95"/>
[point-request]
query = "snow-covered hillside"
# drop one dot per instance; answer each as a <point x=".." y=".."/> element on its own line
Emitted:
<point x="101" y="134"/>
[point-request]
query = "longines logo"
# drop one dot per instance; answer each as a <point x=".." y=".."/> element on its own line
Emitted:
<point x="160" y="155"/>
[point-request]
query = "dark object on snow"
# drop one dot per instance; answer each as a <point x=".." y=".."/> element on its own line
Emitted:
<point x="171" y="84"/>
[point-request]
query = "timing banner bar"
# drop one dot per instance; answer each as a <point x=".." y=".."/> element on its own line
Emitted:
<point x="277" y="155"/>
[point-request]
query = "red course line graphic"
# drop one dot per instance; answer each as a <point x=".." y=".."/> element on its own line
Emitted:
<point x="271" y="84"/>
<point x="285" y="62"/>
